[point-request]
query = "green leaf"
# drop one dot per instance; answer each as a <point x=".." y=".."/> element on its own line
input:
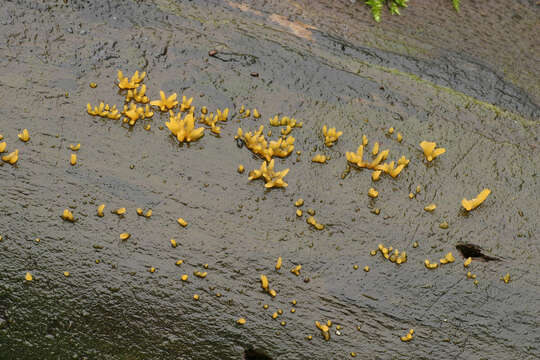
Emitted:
<point x="376" y="6"/>
<point x="394" y="9"/>
<point x="456" y="4"/>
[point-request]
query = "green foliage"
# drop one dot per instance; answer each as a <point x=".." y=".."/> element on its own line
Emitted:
<point x="393" y="5"/>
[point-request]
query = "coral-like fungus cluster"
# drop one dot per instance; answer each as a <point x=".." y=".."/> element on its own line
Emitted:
<point x="272" y="178"/>
<point x="265" y="286"/>
<point x="184" y="129"/>
<point x="429" y="150"/>
<point x="257" y="143"/>
<point x="212" y="120"/>
<point x="389" y="253"/>
<point x="104" y="111"/>
<point x="389" y="168"/>
<point x="330" y="135"/>
<point x="474" y="203"/>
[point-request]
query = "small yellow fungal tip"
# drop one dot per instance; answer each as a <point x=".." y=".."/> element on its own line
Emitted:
<point x="283" y="323"/>
<point x="179" y="262"/>
<point x="429" y="150"/>
<point x="299" y="202"/>
<point x="299" y="212"/>
<point x="256" y="114"/>
<point x="184" y="277"/>
<point x="68" y="215"/>
<point x="75" y="147"/>
<point x="100" y="210"/>
<point x="182" y="222"/>
<point x="408" y="337"/>
<point x="93" y="85"/>
<point x="140" y="212"/>
<point x="321" y="159"/>
<point x="366" y="268"/>
<point x="296" y="270"/>
<point x="73" y="159"/>
<point x="28" y="277"/>
<point x="241" y="321"/>
<point x="353" y="354"/>
<point x="372" y="193"/>
<point x="467" y="262"/>
<point x="376" y="175"/>
<point x="506" y="278"/>
<point x="411" y="195"/>
<point x="265" y="306"/>
<point x="271" y="177"/>
<point x="311" y="220"/>
<point x="240" y="169"/>
<point x="148" y="213"/>
<point x="24" y="136"/>
<point x="430" y="265"/>
<point x="330" y="135"/>
<point x="430" y="207"/>
<point x="196" y="297"/>
<point x="184" y="129"/>
<point x="173" y="243"/>
<point x="448" y="258"/>
<point x="165" y="103"/>
<point x="66" y="273"/>
<point x="3" y="146"/>
<point x="11" y="157"/>
<point x="272" y="292"/>
<point x="474" y="203"/>
<point x="274" y="315"/>
<point x="278" y="263"/>
<point x="399" y="137"/>
<point x="125" y="236"/>
<point x="119" y="211"/>
<point x="264" y="282"/>
<point x="325" y="330"/>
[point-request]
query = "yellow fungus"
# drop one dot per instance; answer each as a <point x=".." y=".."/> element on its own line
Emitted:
<point x="408" y="337"/>
<point x="319" y="159"/>
<point x="182" y="222"/>
<point x="443" y="225"/>
<point x="204" y="110"/>
<point x="247" y="113"/>
<point x="293" y="310"/>
<point x="355" y="267"/>
<point x="186" y="103"/>
<point x="476" y="282"/>
<point x="184" y="277"/>
<point x="430" y="265"/>
<point x="184" y="129"/>
<point x="240" y="169"/>
<point x="418" y="189"/>
<point x="309" y="337"/>
<point x="264" y="282"/>
<point x="68" y="215"/>
<point x="265" y="306"/>
<point x="140" y="212"/>
<point x="469" y="274"/>
<point x="271" y="177"/>
<point x="411" y="195"/>
<point x="353" y="354"/>
<point x="448" y="258"/>
<point x="196" y="297"/>
<point x="37" y="239"/>
<point x="287" y="130"/>
<point x="152" y="269"/>
<point x="372" y="193"/>
<point x="376" y="175"/>
<point x="467" y="262"/>
<point x="474" y="203"/>
<point x="311" y="220"/>
<point x="119" y="211"/>
<point x="75" y="147"/>
<point x="173" y="243"/>
<point x="272" y="292"/>
<point x="274" y="315"/>
<point x="242" y="109"/>
<point x="24" y="136"/>
<point x="298" y="212"/>
<point x="125" y="83"/>
<point x="429" y="150"/>
<point x="241" y="321"/>
<point x="165" y="103"/>
<point x="138" y="95"/>
<point x="299" y="202"/>
<point x="179" y="262"/>
<point x="399" y="137"/>
<point x="330" y="135"/>
<point x="28" y="277"/>
<point x="66" y="273"/>
<point x="11" y="157"/>
<point x="280" y="312"/>
<point x="296" y="270"/>
<point x="256" y="114"/>
<point x="324" y="330"/>
<point x="148" y="213"/>
<point x="73" y="159"/>
<point x="366" y="268"/>
<point x="200" y="274"/>
<point x="373" y="252"/>
<point x="403" y="161"/>
<point x="430" y="207"/>
<point x="506" y="278"/>
<point x="391" y="130"/>
<point x="473" y="276"/>
<point x="283" y="323"/>
<point x="3" y="146"/>
<point x="278" y="263"/>
<point x="100" y="210"/>
<point x="133" y="113"/>
<point x="125" y="236"/>
<point x="375" y="150"/>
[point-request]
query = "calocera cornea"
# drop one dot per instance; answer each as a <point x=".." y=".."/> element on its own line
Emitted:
<point x="430" y="207"/>
<point x="278" y="263"/>
<point x="138" y="95"/>
<point x="241" y="321"/>
<point x="28" y="277"/>
<point x="75" y="147"/>
<point x="506" y="278"/>
<point x="257" y="143"/>
<point x="119" y="211"/>
<point x="429" y="150"/>
<point x="430" y="265"/>
<point x="12" y="157"/>
<point x="325" y="330"/>
<point x="182" y="222"/>
<point x="296" y="270"/>
<point x="256" y="114"/>
<point x="173" y="243"/>
<point x="372" y="193"/>
<point x="24" y="135"/>
<point x="299" y="202"/>
<point x="299" y="212"/>
<point x="100" y="210"/>
<point x="321" y="159"/>
<point x="165" y="103"/>
<point x="73" y="159"/>
<point x="68" y="215"/>
<point x="330" y="135"/>
<point x="132" y="114"/>
<point x="407" y="337"/>
<point x="474" y="203"/>
<point x="264" y="283"/>
<point x="467" y="262"/>
<point x="184" y="129"/>
<point x="272" y="178"/>
<point x="200" y="274"/>
<point x="104" y="111"/>
<point x="311" y="221"/>
<point x="448" y="258"/>
<point x="124" y="236"/>
<point x="3" y="146"/>
<point x="399" y="137"/>
<point x="186" y="103"/>
<point x="124" y="83"/>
